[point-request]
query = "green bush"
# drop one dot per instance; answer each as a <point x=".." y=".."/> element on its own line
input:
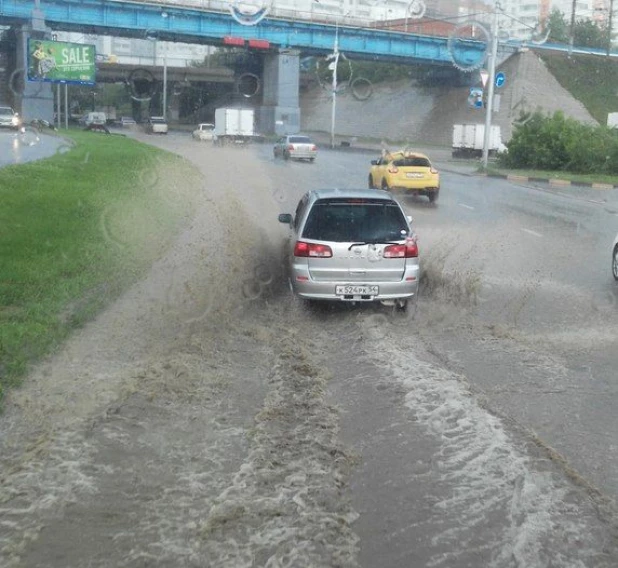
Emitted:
<point x="543" y="142"/>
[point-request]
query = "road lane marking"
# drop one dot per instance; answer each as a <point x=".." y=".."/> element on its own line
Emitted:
<point x="534" y="233"/>
<point x="466" y="206"/>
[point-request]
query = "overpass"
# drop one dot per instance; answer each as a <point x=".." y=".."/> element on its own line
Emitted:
<point x="281" y="40"/>
<point x="173" y="22"/>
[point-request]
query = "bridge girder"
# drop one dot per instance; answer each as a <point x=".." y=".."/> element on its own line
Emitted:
<point x="191" y="25"/>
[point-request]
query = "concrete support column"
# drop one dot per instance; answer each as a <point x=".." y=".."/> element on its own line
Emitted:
<point x="280" y="110"/>
<point x="31" y="99"/>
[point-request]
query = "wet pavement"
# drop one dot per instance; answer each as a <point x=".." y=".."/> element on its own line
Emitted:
<point x="28" y="146"/>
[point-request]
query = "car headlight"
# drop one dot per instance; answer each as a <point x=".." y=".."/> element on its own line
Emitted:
<point x="15" y="121"/>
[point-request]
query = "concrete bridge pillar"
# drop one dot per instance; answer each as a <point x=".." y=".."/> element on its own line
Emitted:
<point x="280" y="110"/>
<point x="30" y="98"/>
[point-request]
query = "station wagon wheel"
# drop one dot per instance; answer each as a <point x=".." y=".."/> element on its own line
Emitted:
<point x="286" y="155"/>
<point x="615" y="263"/>
<point x="370" y="183"/>
<point x="385" y="185"/>
<point x="433" y="195"/>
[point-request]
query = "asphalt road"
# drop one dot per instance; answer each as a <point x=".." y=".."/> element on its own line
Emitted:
<point x="33" y="144"/>
<point x="478" y="431"/>
<point x="520" y="304"/>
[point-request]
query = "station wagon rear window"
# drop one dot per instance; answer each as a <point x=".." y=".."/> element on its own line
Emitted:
<point x="299" y="140"/>
<point x="355" y="220"/>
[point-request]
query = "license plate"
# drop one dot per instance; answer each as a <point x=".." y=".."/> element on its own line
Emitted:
<point x="350" y="290"/>
<point x="414" y="175"/>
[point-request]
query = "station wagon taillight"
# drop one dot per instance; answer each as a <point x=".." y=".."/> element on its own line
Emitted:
<point x="312" y="250"/>
<point x="408" y="250"/>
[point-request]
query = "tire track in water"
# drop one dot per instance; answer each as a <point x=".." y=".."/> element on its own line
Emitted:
<point x="286" y="505"/>
<point x="488" y="483"/>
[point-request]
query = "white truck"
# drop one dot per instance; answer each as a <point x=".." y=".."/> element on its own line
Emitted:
<point x="469" y="140"/>
<point x="234" y="125"/>
<point x="612" y="119"/>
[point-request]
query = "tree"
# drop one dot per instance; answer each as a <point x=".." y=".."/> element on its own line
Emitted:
<point x="587" y="34"/>
<point x="558" y="27"/>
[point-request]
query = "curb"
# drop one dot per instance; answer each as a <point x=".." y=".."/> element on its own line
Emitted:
<point x="553" y="182"/>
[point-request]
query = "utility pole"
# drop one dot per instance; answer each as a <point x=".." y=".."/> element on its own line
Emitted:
<point x="333" y="67"/>
<point x="609" y="27"/>
<point x="491" y="80"/>
<point x="572" y="31"/>
<point x="165" y="86"/>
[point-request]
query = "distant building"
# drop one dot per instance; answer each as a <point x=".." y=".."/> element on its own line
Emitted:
<point x="140" y="51"/>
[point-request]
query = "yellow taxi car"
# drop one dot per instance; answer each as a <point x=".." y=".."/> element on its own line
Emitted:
<point x="405" y="170"/>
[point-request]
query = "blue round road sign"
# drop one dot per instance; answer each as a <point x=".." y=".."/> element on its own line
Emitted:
<point x="500" y="78"/>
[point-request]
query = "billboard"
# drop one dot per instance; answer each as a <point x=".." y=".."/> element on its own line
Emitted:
<point x="61" y="62"/>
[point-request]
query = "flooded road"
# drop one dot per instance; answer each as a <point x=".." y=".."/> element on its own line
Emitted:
<point x="209" y="419"/>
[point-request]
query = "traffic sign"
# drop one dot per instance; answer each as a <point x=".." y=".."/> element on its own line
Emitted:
<point x="500" y="79"/>
<point x="475" y="98"/>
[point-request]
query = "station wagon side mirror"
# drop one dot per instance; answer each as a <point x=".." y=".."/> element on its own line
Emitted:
<point x="285" y="218"/>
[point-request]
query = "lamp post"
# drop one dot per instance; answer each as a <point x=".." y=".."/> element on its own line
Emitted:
<point x="610" y="18"/>
<point x="572" y="27"/>
<point x="165" y="86"/>
<point x="491" y="80"/>
<point x="333" y="67"/>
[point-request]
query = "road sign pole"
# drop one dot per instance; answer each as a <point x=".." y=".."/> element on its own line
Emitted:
<point x="492" y="80"/>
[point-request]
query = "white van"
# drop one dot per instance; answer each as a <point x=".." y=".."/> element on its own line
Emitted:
<point x="94" y="119"/>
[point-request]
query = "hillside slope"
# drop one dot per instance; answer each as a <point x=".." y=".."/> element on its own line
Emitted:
<point x="403" y="110"/>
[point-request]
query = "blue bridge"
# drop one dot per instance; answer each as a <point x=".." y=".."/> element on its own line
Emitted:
<point x="192" y="25"/>
<point x="282" y="40"/>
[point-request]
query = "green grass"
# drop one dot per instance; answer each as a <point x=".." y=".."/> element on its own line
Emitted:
<point x="75" y="231"/>
<point x="591" y="79"/>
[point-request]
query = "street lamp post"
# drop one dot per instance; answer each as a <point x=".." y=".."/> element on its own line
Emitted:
<point x="610" y="18"/>
<point x="333" y="67"/>
<point x="491" y="79"/>
<point x="165" y="86"/>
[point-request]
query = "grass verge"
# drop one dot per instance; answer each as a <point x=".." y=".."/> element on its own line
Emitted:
<point x="76" y="230"/>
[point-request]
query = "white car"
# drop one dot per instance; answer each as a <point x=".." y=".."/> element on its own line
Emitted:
<point x="615" y="258"/>
<point x="295" y="147"/>
<point x="204" y="132"/>
<point x="9" y="118"/>
<point x="127" y="121"/>
<point x="156" y="125"/>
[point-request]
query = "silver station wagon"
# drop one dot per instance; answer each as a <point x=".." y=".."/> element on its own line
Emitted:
<point x="352" y="246"/>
